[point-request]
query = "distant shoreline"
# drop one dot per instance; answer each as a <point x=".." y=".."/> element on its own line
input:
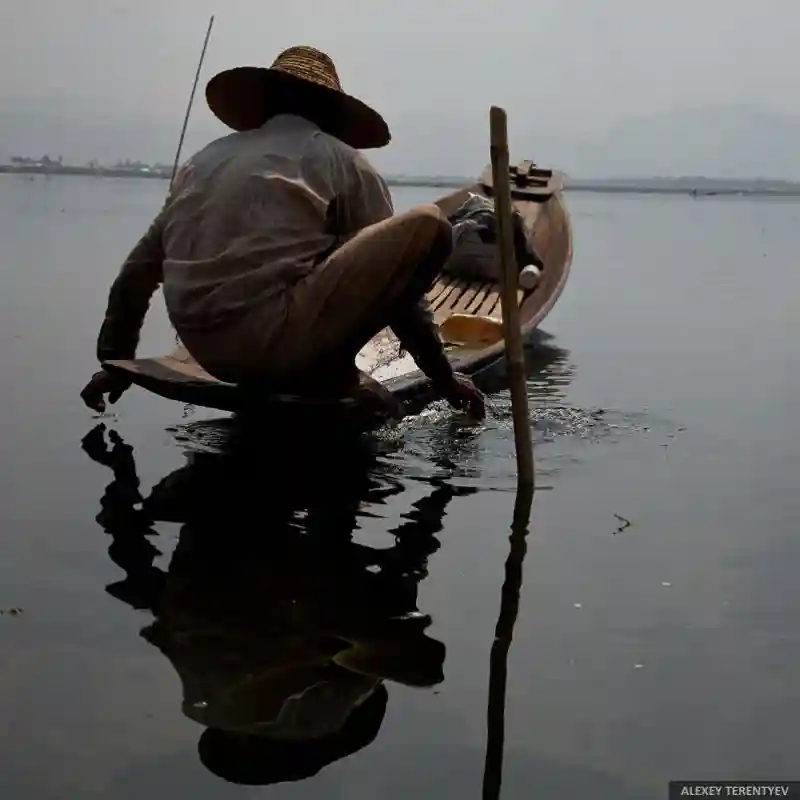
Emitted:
<point x="700" y="187"/>
<point x="116" y="172"/>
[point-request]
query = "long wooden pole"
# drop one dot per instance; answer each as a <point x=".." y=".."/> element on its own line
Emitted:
<point x="515" y="356"/>
<point x="191" y="101"/>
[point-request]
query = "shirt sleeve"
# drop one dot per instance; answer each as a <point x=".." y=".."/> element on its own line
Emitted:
<point x="130" y="296"/>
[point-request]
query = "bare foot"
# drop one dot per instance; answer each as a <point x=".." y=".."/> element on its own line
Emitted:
<point x="376" y="394"/>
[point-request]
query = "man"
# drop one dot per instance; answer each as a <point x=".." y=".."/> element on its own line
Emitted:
<point x="278" y="248"/>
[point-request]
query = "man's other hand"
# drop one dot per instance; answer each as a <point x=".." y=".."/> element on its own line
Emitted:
<point x="103" y="383"/>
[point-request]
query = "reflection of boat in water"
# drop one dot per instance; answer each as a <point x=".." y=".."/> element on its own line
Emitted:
<point x="282" y="629"/>
<point x="286" y="633"/>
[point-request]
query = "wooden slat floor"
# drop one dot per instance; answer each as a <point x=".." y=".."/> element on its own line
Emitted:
<point x="457" y="296"/>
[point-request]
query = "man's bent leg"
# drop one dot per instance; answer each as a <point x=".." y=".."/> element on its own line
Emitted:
<point x="358" y="291"/>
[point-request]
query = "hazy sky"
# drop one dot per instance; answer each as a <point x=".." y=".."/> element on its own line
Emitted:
<point x="562" y="68"/>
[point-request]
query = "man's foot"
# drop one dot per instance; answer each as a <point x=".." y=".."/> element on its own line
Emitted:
<point x="377" y="397"/>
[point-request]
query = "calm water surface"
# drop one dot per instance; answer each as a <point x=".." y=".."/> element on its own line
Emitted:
<point x="169" y="586"/>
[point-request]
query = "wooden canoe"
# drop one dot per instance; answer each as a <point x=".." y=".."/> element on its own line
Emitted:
<point x="468" y="313"/>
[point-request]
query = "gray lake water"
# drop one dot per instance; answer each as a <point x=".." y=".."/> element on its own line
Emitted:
<point x="657" y="633"/>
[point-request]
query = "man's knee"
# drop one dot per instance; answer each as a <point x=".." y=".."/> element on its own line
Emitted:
<point x="431" y="225"/>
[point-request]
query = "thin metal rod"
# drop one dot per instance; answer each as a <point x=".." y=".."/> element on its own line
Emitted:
<point x="188" y="113"/>
<point x="515" y="357"/>
<point x="191" y="101"/>
<point x="504" y="632"/>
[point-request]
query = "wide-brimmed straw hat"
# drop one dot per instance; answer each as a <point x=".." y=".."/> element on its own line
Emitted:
<point x="241" y="97"/>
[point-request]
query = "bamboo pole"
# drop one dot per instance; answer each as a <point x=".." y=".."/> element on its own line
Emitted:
<point x="515" y="357"/>
<point x="191" y="101"/>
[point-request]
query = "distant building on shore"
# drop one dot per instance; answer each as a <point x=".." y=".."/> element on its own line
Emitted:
<point x="44" y="161"/>
<point x="55" y="166"/>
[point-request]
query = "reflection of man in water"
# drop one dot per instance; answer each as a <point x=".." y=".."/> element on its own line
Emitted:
<point x="282" y="632"/>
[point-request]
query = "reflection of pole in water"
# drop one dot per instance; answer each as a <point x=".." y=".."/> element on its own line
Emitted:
<point x="504" y="631"/>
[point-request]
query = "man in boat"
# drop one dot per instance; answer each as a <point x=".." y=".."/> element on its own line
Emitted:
<point x="279" y="250"/>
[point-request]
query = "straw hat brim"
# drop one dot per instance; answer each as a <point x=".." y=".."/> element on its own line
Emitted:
<point x="240" y="98"/>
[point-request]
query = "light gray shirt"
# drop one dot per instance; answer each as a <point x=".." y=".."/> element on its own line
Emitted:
<point x="248" y="214"/>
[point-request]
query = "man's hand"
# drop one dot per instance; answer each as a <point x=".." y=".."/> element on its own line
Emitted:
<point x="463" y="395"/>
<point x="103" y="383"/>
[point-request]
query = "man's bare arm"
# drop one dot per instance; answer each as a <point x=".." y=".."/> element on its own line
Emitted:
<point x="418" y="334"/>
